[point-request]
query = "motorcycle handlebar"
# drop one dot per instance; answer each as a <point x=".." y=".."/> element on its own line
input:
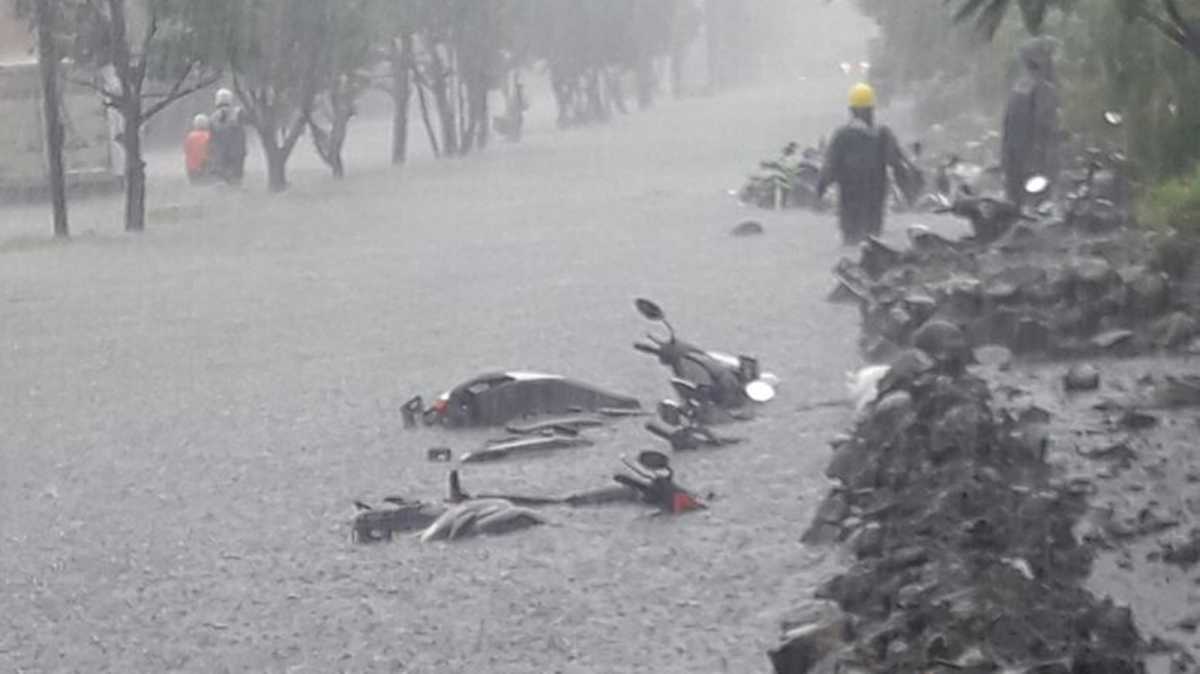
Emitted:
<point x="646" y="348"/>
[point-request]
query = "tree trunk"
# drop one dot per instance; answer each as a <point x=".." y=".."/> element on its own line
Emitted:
<point x="645" y="82"/>
<point x="678" y="54"/>
<point x="278" y="148"/>
<point x="443" y="100"/>
<point x="135" y="166"/>
<point x="276" y="167"/>
<point x="48" y="68"/>
<point x="401" y="61"/>
<point x="713" y="39"/>
<point x="616" y="92"/>
<point x="427" y="121"/>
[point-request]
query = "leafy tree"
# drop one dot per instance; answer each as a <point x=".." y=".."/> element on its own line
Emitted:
<point x="140" y="44"/>
<point x="347" y="54"/>
<point x="273" y="51"/>
<point x="1165" y="16"/>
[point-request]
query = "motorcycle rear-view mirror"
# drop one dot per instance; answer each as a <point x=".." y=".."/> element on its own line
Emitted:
<point x="1037" y="185"/>
<point x="1114" y="118"/>
<point x="649" y="309"/>
<point x="654" y="460"/>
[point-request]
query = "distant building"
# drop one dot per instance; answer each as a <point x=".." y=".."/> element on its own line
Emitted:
<point x="89" y="146"/>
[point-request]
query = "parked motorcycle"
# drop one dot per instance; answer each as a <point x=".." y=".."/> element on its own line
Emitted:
<point x="787" y="182"/>
<point x="713" y="387"/>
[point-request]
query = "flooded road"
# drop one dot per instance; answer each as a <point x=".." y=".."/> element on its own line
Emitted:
<point x="187" y="415"/>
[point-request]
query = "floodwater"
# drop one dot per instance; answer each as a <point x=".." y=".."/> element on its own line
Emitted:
<point x="187" y="415"/>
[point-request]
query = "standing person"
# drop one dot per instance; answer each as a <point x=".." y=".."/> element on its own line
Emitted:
<point x="196" y="146"/>
<point x="857" y="160"/>
<point x="1030" y="144"/>
<point x="228" y="138"/>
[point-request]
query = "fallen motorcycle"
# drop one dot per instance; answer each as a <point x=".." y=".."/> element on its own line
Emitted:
<point x="495" y="399"/>
<point x="789" y="181"/>
<point x="650" y="481"/>
<point x="990" y="217"/>
<point x="713" y="387"/>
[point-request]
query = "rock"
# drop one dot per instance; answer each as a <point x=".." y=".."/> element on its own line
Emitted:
<point x="958" y="430"/>
<point x="920" y="305"/>
<point x="1183" y="552"/>
<point x="849" y="460"/>
<point x="998" y="290"/>
<point x="833" y="509"/>
<point x="1111" y="339"/>
<point x="1092" y="270"/>
<point x="878" y="257"/>
<point x="995" y="356"/>
<point x="809" y="644"/>
<point x="822" y="533"/>
<point x="748" y="228"/>
<point x="1182" y="391"/>
<point x="1119" y="452"/>
<point x="894" y="404"/>
<point x="942" y="340"/>
<point x="1082" y="378"/>
<point x="810" y="613"/>
<point x="1137" y="420"/>
<point x="867" y="541"/>
<point x="912" y="596"/>
<point x="1147" y="292"/>
<point x="897" y="649"/>
<point x="906" y="366"/>
<point x="1031" y="336"/>
<point x="1175" y="331"/>
<point x="1189" y="623"/>
<point x="906" y="557"/>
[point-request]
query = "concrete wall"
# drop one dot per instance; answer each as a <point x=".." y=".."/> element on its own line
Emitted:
<point x="16" y="42"/>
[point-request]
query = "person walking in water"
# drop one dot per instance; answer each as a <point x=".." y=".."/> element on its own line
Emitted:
<point x="1030" y="144"/>
<point x="196" y="146"/>
<point x="857" y="160"/>
<point x="228" y="138"/>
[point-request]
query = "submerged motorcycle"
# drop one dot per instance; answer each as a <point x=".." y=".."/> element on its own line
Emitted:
<point x="650" y="481"/>
<point x="713" y="387"/>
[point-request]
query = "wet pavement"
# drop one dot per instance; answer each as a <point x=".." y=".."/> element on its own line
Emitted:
<point x="187" y="415"/>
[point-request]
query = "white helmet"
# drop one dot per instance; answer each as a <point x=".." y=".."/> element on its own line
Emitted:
<point x="200" y="122"/>
<point x="224" y="97"/>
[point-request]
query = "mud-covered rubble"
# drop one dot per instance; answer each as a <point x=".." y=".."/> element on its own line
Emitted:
<point x="964" y="556"/>
<point x="1043" y="292"/>
<point x="1131" y="441"/>
<point x="972" y="541"/>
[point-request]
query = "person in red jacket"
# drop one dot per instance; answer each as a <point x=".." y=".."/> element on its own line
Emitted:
<point x="196" y="149"/>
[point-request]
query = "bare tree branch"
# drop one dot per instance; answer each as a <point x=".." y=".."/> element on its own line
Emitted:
<point x="178" y="90"/>
<point x="151" y="30"/>
<point x="111" y="99"/>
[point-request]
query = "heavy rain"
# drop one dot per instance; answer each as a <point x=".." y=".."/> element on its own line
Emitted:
<point x="576" y="336"/>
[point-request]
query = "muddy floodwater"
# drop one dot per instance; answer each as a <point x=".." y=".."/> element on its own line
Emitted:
<point x="188" y="415"/>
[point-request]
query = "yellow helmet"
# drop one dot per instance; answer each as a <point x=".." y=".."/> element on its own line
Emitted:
<point x="862" y="96"/>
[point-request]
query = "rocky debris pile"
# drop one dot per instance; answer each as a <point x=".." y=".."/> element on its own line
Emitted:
<point x="1129" y="436"/>
<point x="963" y="545"/>
<point x="1041" y="291"/>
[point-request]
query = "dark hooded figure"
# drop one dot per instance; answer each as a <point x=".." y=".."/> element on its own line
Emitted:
<point x="857" y="160"/>
<point x="1031" y="134"/>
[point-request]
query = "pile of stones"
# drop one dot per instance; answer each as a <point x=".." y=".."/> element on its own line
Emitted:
<point x="962" y="544"/>
<point x="1040" y="292"/>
